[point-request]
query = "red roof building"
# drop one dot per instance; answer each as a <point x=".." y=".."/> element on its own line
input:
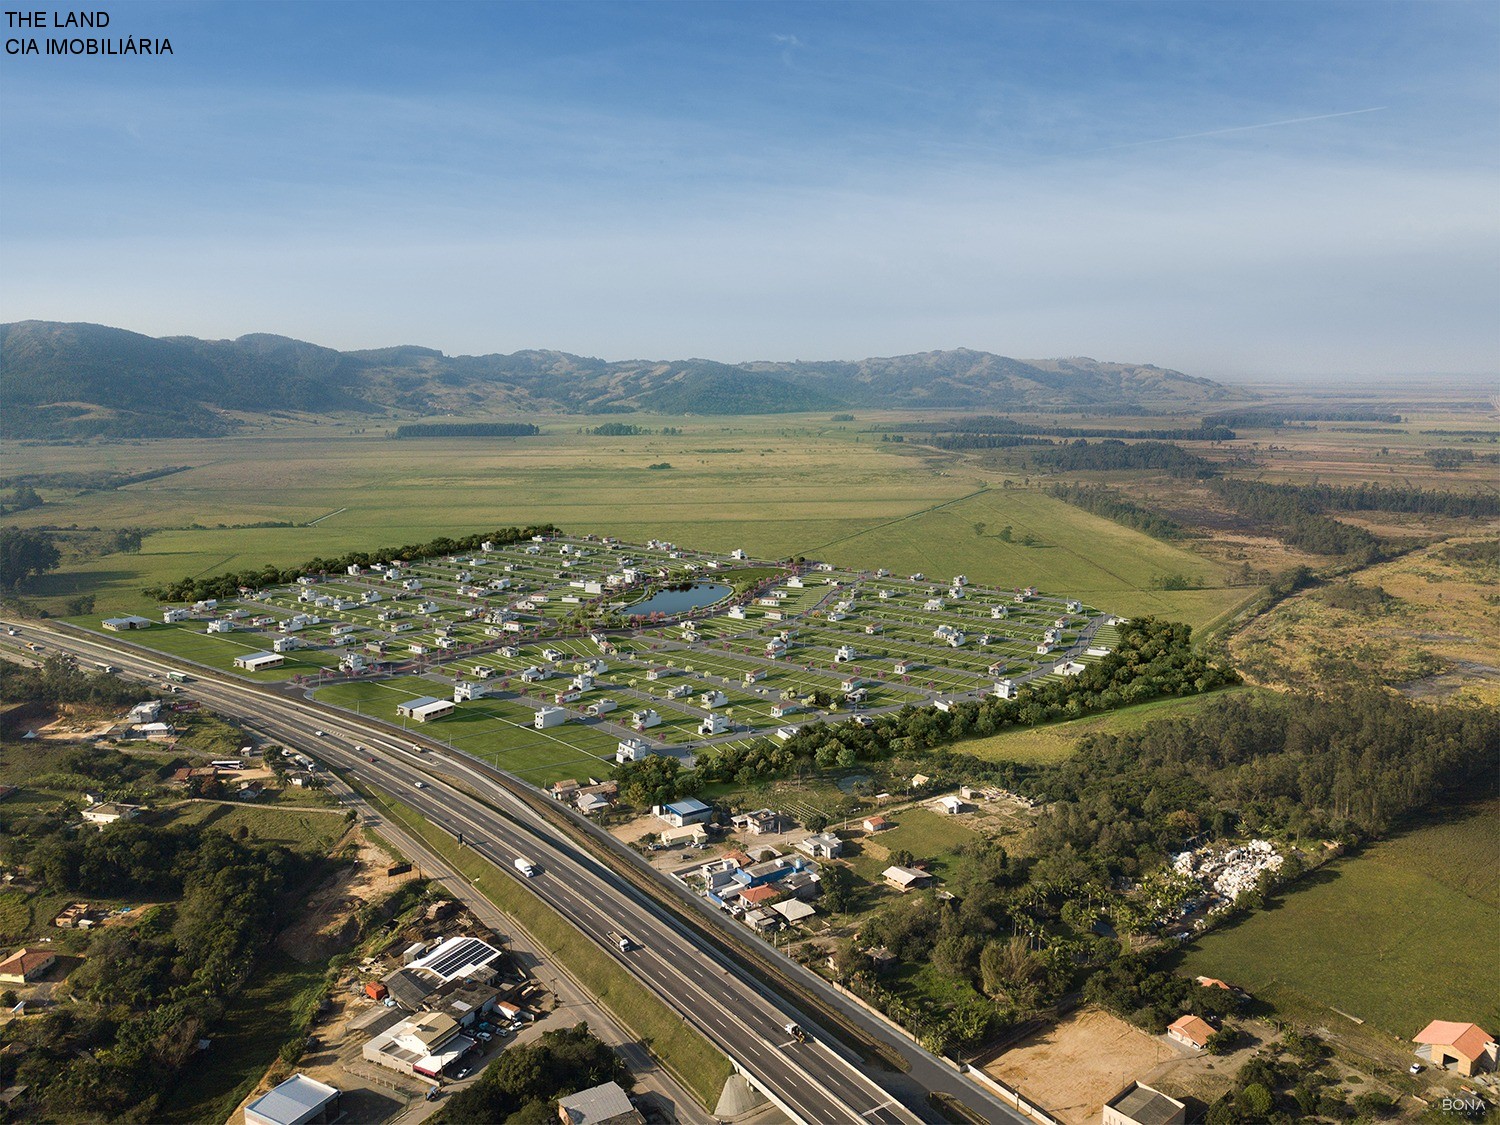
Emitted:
<point x="1191" y="1031"/>
<point x="1468" y="1047"/>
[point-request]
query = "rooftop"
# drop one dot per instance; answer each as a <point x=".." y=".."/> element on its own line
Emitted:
<point x="608" y="1102"/>
<point x="1146" y="1106"/>
<point x="1468" y="1038"/>
<point x="294" y="1101"/>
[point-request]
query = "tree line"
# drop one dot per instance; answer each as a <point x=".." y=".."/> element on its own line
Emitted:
<point x="1154" y="658"/>
<point x="465" y="429"/>
<point x="229" y="585"/>
<point x="1111" y="504"/>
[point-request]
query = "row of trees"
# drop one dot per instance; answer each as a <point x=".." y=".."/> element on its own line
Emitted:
<point x="466" y="429"/>
<point x="1154" y="658"/>
<point x="1298" y="519"/>
<point x="1111" y="455"/>
<point x="1113" y="505"/>
<point x="228" y="585"/>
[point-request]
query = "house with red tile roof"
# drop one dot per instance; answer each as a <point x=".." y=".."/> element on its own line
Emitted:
<point x="1466" y="1046"/>
<point x="1191" y="1031"/>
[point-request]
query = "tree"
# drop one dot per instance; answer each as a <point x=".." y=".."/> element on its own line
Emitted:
<point x="1256" y="1100"/>
<point x="24" y="554"/>
<point x="838" y="887"/>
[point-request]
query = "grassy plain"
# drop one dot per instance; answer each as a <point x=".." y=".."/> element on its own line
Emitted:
<point x="1396" y="936"/>
<point x="776" y="486"/>
<point x="314" y="831"/>
<point x="1052" y="743"/>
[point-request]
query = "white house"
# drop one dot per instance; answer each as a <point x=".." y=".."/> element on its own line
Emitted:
<point x="737" y="612"/>
<point x="645" y="720"/>
<point x="904" y="667"/>
<point x="632" y="750"/>
<point x="601" y="707"/>
<point x="783" y="709"/>
<point x="174" y="615"/>
<point x="845" y="654"/>
<point x="1004" y="689"/>
<point x="425" y="709"/>
<point x="569" y="695"/>
<point x="795" y="583"/>
<point x="738" y="554"/>
<point x="259" y="661"/>
<point x="754" y="676"/>
<point x="712" y="698"/>
<point x="549" y="717"/>
<point x="825" y="845"/>
<point x="713" y="724"/>
<point x="286" y="644"/>
<point x="221" y="627"/>
<point x="466" y="690"/>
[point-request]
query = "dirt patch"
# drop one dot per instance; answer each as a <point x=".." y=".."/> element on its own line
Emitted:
<point x="1074" y="1067"/>
<point x="328" y="924"/>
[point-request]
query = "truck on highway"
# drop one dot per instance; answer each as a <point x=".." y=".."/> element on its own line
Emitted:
<point x="177" y="677"/>
<point x="525" y="866"/>
<point x="796" y="1032"/>
<point x="622" y="941"/>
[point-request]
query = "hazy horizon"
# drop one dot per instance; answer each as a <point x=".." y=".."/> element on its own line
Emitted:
<point x="1239" y="191"/>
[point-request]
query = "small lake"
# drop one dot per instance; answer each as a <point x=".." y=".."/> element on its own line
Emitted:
<point x="680" y="601"/>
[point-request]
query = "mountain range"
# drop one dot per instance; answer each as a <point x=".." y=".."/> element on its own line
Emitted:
<point x="84" y="380"/>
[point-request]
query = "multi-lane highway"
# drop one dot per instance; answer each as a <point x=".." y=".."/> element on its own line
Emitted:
<point x="816" y="1081"/>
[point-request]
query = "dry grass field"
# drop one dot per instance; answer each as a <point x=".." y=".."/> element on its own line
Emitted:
<point x="1424" y="623"/>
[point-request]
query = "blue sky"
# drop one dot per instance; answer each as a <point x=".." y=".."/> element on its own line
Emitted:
<point x="1229" y="189"/>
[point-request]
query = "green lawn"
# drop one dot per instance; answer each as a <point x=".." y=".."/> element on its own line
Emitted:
<point x="1399" y="935"/>
<point x="314" y="831"/>
<point x="216" y="650"/>
<point x="1056" y="741"/>
<point x="495" y="729"/>
<point x="931" y="837"/>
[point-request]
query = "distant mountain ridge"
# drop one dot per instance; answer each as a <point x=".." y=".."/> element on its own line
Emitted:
<point x="81" y="380"/>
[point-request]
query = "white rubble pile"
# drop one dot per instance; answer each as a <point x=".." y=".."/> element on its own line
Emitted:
<point x="1228" y="872"/>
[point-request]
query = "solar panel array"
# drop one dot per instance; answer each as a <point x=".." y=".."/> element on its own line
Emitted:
<point x="453" y="957"/>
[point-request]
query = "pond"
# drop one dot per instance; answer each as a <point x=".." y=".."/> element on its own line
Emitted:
<point x="680" y="601"/>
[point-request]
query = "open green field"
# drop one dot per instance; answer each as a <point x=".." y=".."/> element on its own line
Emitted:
<point x="1399" y="935"/>
<point x="215" y="650"/>
<point x="1056" y="741"/>
<point x="776" y="486"/>
<point x="314" y="831"/>
<point x="931" y="837"/>
<point x="494" y="729"/>
<point x="695" y="1062"/>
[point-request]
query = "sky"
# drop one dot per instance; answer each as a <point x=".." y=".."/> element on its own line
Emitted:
<point x="1233" y="190"/>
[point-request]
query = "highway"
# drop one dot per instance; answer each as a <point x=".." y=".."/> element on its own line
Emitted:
<point x="815" y="1082"/>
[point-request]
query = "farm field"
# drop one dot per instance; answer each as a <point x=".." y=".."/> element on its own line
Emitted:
<point x="798" y="485"/>
<point x="1052" y="743"/>
<point x="1395" y="936"/>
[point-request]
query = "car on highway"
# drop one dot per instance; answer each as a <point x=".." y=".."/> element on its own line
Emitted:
<point x="321" y="733"/>
<point x="418" y="784"/>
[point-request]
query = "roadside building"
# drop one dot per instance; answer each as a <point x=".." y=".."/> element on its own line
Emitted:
<point x="825" y="845"/>
<point x="690" y="810"/>
<point x="425" y="708"/>
<point x="259" y="661"/>
<point x="425" y="1045"/>
<point x="1138" y="1104"/>
<point x="600" y="1105"/>
<point x="109" y="812"/>
<point x="299" y="1100"/>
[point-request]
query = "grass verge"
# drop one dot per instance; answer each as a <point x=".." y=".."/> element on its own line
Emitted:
<point x="691" y="1059"/>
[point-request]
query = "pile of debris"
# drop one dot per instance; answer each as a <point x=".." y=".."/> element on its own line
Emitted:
<point x="1228" y="872"/>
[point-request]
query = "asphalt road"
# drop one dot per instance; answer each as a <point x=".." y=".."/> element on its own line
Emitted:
<point x="816" y="1081"/>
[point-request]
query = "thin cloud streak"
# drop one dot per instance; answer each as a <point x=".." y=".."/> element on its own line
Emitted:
<point x="1242" y="128"/>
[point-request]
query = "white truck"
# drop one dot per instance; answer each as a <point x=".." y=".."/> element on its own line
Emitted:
<point x="525" y="866"/>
